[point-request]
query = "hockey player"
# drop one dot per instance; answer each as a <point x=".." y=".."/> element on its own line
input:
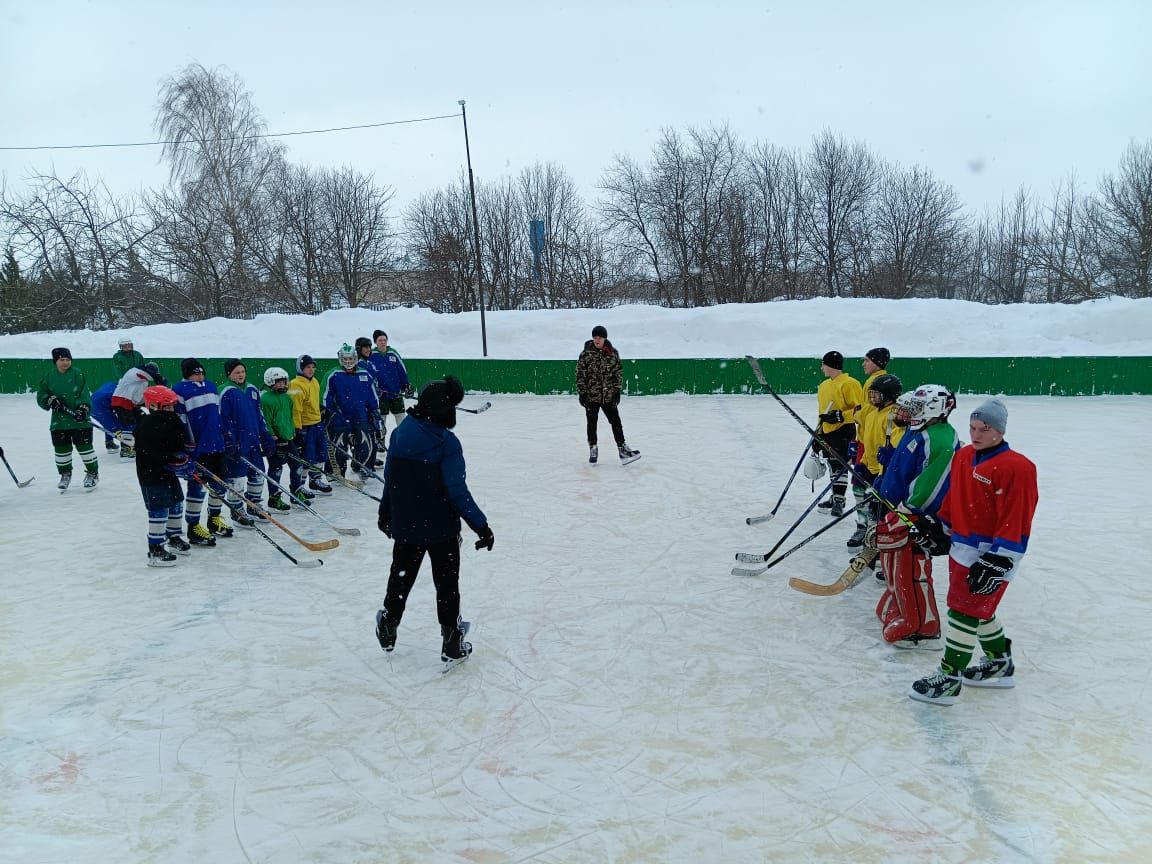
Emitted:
<point x="199" y="408"/>
<point x="311" y="445"/>
<point x="875" y="429"/>
<point x="160" y="451"/>
<point x="839" y="398"/>
<point x="425" y="497"/>
<point x="915" y="478"/>
<point x="599" y="382"/>
<point x="103" y="414"/>
<point x="276" y="406"/>
<point x="989" y="507"/>
<point x="64" y="392"/>
<point x="353" y="413"/>
<point x="127" y="399"/>
<point x="246" y="436"/>
<point x="364" y="361"/>
<point x="126" y="357"/>
<point x="392" y="383"/>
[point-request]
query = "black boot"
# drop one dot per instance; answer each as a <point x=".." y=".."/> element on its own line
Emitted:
<point x="454" y="647"/>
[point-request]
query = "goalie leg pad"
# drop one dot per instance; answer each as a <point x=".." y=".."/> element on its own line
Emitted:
<point x="911" y="576"/>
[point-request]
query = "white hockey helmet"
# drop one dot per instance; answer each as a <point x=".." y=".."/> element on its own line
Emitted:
<point x="274" y="374"/>
<point x="926" y="403"/>
<point x="124" y="342"/>
<point x="347" y="356"/>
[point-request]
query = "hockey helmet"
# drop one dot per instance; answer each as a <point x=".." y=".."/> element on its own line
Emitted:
<point x="158" y="396"/>
<point x="274" y="374"/>
<point x="927" y="403"/>
<point x="347" y="356"/>
<point x="888" y="386"/>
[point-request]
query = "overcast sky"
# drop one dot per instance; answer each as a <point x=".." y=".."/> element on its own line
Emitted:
<point x="989" y="95"/>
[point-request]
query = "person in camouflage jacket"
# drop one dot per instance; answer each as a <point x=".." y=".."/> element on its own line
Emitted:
<point x="599" y="380"/>
<point x="64" y="392"/>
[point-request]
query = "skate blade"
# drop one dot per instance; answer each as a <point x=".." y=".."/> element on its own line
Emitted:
<point x="630" y="459"/>
<point x="449" y="665"/>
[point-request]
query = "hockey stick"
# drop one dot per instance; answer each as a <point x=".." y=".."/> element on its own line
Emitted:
<point x="819" y="439"/>
<point x="309" y="563"/>
<point x="484" y="407"/>
<point x="741" y="571"/>
<point x="761" y="557"/>
<point x="354" y="486"/>
<point x="847" y="579"/>
<point x="760" y="520"/>
<point x="351" y="532"/>
<point x="19" y="484"/>
<point x="356" y="463"/>
<point x="322" y="546"/>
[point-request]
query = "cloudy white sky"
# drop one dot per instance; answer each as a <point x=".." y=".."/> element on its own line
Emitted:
<point x="989" y="95"/>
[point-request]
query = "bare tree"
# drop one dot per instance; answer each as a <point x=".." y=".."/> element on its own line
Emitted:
<point x="438" y="228"/>
<point x="1121" y="223"/>
<point x="1062" y="252"/>
<point x="840" y="179"/>
<point x="917" y="225"/>
<point x="1002" y="250"/>
<point x="776" y="187"/>
<point x="357" y="242"/>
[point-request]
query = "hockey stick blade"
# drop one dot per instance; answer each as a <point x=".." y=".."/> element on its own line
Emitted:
<point x="751" y="557"/>
<point x="759" y="520"/>
<point x="848" y="578"/>
<point x="479" y="410"/>
<point x="746" y="571"/>
<point x="309" y="563"/>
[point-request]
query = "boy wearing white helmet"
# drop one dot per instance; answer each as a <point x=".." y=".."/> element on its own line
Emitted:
<point x="276" y="406"/>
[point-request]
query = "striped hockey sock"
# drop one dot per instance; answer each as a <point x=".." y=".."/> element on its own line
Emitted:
<point x="959" y="642"/>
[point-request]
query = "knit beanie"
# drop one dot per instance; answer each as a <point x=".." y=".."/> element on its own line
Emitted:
<point x="229" y="365"/>
<point x="438" y="401"/>
<point x="57" y="353"/>
<point x="833" y="360"/>
<point x="190" y="366"/>
<point x="880" y="356"/>
<point x="302" y="361"/>
<point x="600" y="330"/>
<point x="994" y="413"/>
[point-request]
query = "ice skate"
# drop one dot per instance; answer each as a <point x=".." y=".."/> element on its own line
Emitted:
<point x="455" y="650"/>
<point x="277" y="503"/>
<point x="320" y="486"/>
<point x="837" y="508"/>
<point x="923" y="643"/>
<point x="995" y="672"/>
<point x="938" y="689"/>
<point x="198" y="535"/>
<point x="158" y="556"/>
<point x="91" y="478"/>
<point x="127" y="452"/>
<point x="218" y="527"/>
<point x="593" y="453"/>
<point x="857" y="538"/>
<point x="179" y="545"/>
<point x="627" y="454"/>
<point x="65" y="481"/>
<point x="386" y="631"/>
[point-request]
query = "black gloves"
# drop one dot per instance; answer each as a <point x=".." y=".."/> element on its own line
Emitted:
<point x="583" y="401"/>
<point x="932" y="536"/>
<point x="487" y="538"/>
<point x="81" y="413"/>
<point x="987" y="573"/>
<point x="409" y="392"/>
<point x="54" y="403"/>
<point x="833" y="416"/>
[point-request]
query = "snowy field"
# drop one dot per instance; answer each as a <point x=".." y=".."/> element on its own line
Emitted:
<point x="629" y="700"/>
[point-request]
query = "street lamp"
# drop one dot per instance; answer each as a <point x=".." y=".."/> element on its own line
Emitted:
<point x="475" y="230"/>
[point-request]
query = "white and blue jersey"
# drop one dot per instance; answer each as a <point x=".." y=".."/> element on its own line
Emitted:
<point x="199" y="408"/>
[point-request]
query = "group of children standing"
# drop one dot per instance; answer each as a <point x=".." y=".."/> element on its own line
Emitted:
<point x="919" y="494"/>
<point x="225" y="444"/>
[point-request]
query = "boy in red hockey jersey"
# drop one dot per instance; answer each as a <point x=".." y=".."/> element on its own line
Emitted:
<point x="989" y="508"/>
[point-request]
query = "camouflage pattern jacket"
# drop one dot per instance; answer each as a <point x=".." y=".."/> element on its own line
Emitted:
<point x="599" y="375"/>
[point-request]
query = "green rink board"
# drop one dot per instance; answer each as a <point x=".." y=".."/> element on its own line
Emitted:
<point x="1011" y="376"/>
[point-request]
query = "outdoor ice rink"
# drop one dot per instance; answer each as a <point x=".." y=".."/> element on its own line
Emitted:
<point x="628" y="699"/>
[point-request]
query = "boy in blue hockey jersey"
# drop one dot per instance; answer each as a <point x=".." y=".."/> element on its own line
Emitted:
<point x="199" y="408"/>
<point x="353" y="412"/>
<point x="392" y="383"/>
<point x="246" y="436"/>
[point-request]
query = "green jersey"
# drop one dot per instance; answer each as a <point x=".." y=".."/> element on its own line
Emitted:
<point x="71" y="389"/>
<point x="277" y="411"/>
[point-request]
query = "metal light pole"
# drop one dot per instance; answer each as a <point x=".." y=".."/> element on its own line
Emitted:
<point x="475" y="230"/>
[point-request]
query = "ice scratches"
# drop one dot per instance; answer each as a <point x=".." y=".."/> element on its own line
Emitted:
<point x="236" y="827"/>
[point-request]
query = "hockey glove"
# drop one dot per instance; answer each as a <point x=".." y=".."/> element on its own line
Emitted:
<point x="487" y="539"/>
<point x="855" y="451"/>
<point x="298" y="441"/>
<point x="932" y="536"/>
<point x="409" y="393"/>
<point x="81" y="413"/>
<point x="884" y="455"/>
<point x="833" y="416"/>
<point x="54" y="403"/>
<point x="987" y="573"/>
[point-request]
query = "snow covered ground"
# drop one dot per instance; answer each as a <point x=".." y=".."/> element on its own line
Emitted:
<point x="629" y="700"/>
<point x="1115" y="327"/>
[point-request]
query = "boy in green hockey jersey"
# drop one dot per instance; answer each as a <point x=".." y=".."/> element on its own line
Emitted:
<point x="64" y="392"/>
<point x="276" y="406"/>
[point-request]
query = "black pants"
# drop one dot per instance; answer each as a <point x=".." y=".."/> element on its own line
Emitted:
<point x="838" y="441"/>
<point x="406" y="561"/>
<point x="592" y="412"/>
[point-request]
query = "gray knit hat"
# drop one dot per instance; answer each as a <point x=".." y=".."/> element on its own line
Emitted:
<point x="994" y="413"/>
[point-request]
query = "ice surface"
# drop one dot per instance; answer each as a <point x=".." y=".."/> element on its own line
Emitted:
<point x="628" y="699"/>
